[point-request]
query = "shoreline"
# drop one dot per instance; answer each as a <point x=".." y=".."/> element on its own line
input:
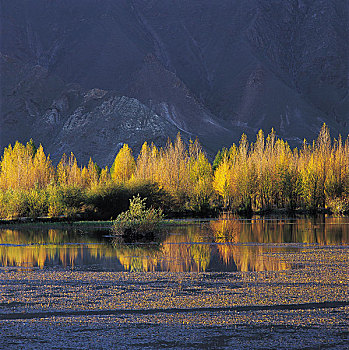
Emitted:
<point x="64" y="222"/>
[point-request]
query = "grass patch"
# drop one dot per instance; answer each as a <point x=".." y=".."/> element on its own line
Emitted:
<point x="21" y="224"/>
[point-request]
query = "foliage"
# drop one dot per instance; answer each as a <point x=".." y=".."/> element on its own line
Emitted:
<point x="339" y="206"/>
<point x="36" y="202"/>
<point x="14" y="203"/>
<point x="124" y="165"/>
<point x="55" y="201"/>
<point x="137" y="220"/>
<point x="264" y="175"/>
<point x="108" y="200"/>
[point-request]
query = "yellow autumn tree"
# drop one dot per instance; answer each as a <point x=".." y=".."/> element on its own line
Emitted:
<point x="68" y="173"/>
<point x="15" y="167"/>
<point x="223" y="181"/>
<point x="200" y="176"/>
<point x="172" y="170"/>
<point x="147" y="162"/>
<point x="24" y="167"/>
<point x="124" y="165"/>
<point x="104" y="177"/>
<point x="62" y="171"/>
<point x="42" y="170"/>
<point x="89" y="175"/>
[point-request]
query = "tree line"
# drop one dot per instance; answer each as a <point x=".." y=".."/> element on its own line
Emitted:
<point x="264" y="175"/>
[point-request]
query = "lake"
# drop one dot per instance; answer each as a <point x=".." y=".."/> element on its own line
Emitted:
<point x="229" y="283"/>
<point x="211" y="246"/>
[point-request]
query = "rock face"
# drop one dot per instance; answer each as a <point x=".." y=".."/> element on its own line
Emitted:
<point x="88" y="75"/>
<point x="104" y="124"/>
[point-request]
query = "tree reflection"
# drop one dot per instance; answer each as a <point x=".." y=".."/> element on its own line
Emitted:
<point x="224" y="244"/>
<point x="34" y="248"/>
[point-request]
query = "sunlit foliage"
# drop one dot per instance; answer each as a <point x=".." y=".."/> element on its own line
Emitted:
<point x="263" y="175"/>
<point x="267" y="174"/>
<point x="124" y="165"/>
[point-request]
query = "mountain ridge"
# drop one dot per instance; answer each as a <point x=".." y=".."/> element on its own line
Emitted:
<point x="210" y="71"/>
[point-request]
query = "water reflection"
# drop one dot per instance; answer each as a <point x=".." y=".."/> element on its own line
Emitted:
<point x="219" y="245"/>
<point x="184" y="249"/>
<point x="322" y="231"/>
<point x="37" y="248"/>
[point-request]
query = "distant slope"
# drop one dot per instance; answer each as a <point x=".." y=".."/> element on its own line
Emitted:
<point x="210" y="69"/>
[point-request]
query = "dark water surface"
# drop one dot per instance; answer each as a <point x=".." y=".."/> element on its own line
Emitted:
<point x="225" y="245"/>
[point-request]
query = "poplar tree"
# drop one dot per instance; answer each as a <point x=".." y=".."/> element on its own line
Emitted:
<point x="200" y="176"/>
<point x="124" y="165"/>
<point x="223" y="181"/>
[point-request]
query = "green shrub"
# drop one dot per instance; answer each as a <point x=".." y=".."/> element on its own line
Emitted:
<point x="155" y="196"/>
<point x="338" y="205"/>
<point x="15" y="203"/>
<point x="138" y="221"/>
<point x="3" y="204"/>
<point x="23" y="203"/>
<point x="108" y="201"/>
<point x="36" y="200"/>
<point x="55" y="201"/>
<point x="73" y="197"/>
<point x="68" y="201"/>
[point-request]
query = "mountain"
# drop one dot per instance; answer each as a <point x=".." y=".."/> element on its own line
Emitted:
<point x="89" y="75"/>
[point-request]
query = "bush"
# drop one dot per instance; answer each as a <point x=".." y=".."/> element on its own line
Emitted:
<point x="36" y="200"/>
<point x="338" y="206"/>
<point x="14" y="203"/>
<point x="3" y="204"/>
<point x="73" y="197"/>
<point x="68" y="201"/>
<point x="138" y="221"/>
<point x="155" y="197"/>
<point x="55" y="201"/>
<point x="108" y="201"/>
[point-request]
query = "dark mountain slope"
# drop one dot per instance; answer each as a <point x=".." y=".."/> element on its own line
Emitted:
<point x="170" y="98"/>
<point x="211" y="69"/>
<point x="67" y="118"/>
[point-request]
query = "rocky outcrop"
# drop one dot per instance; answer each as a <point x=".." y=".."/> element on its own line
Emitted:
<point x="67" y="118"/>
<point x="100" y="129"/>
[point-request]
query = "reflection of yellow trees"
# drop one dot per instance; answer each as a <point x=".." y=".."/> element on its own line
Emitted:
<point x="201" y="254"/>
<point x="312" y="231"/>
<point x="228" y="232"/>
<point x="179" y="252"/>
<point x="31" y="249"/>
<point x="252" y="258"/>
<point x="225" y="230"/>
<point x="178" y="256"/>
<point x="184" y="253"/>
<point x="135" y="258"/>
<point x="186" y="249"/>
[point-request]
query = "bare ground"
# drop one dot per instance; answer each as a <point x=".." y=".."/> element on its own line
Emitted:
<point x="302" y="308"/>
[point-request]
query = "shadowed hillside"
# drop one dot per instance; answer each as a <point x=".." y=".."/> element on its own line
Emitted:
<point x="88" y="76"/>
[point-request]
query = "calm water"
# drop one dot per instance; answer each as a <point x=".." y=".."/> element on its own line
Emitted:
<point x="216" y="245"/>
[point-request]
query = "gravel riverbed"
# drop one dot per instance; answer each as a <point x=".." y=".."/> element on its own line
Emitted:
<point x="305" y="307"/>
